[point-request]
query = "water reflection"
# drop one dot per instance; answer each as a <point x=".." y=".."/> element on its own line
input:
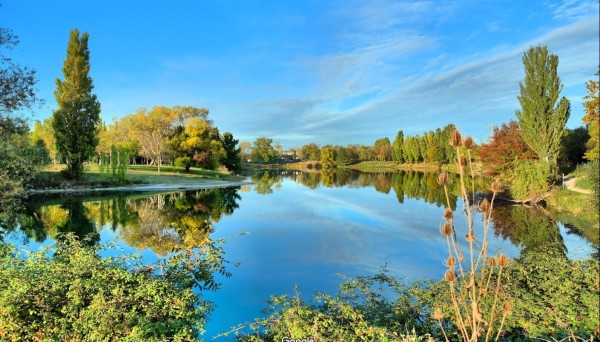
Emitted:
<point x="530" y="228"/>
<point x="160" y="222"/>
<point x="406" y="184"/>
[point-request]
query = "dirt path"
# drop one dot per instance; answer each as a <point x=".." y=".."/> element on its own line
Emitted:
<point x="570" y="184"/>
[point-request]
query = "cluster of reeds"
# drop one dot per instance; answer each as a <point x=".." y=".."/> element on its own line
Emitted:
<point x="476" y="310"/>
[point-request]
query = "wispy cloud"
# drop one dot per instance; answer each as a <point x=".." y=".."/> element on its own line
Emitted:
<point x="574" y="9"/>
<point x="475" y="93"/>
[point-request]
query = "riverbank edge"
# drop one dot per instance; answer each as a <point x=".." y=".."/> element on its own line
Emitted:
<point x="575" y="209"/>
<point x="213" y="184"/>
<point x="372" y="166"/>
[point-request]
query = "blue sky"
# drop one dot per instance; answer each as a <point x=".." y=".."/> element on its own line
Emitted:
<point x="338" y="71"/>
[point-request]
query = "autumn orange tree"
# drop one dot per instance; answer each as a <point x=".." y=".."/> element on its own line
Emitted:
<point x="504" y="148"/>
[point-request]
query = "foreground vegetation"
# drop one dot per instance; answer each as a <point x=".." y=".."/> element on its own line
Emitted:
<point x="551" y="298"/>
<point x="70" y="293"/>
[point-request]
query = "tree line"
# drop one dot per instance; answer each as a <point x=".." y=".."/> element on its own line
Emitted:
<point x="431" y="147"/>
<point x="179" y="135"/>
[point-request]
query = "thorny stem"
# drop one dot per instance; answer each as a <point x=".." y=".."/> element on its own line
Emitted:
<point x="461" y="325"/>
<point x="501" y="325"/>
<point x="487" y="285"/>
<point x="443" y="330"/>
<point x="470" y="238"/>
<point x="491" y="326"/>
<point x="472" y="174"/>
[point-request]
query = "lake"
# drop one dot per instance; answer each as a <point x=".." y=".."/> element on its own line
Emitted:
<point x="292" y="229"/>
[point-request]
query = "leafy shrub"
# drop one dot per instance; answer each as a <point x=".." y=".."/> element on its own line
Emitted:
<point x="185" y="162"/>
<point x="553" y="297"/>
<point x="77" y="295"/>
<point x="356" y="314"/>
<point x="530" y="179"/>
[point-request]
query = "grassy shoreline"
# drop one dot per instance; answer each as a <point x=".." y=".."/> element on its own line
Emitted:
<point x="575" y="209"/>
<point x="50" y="178"/>
<point x="374" y="166"/>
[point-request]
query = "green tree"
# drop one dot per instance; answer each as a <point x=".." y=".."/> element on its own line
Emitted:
<point x="572" y="147"/>
<point x="327" y="157"/>
<point x="397" y="153"/>
<point x="232" y="159"/>
<point x="342" y="156"/>
<point x="17" y="83"/>
<point x="311" y="152"/>
<point x="76" y="119"/>
<point x="262" y="151"/>
<point x="541" y="119"/>
<point x="199" y="143"/>
<point x="17" y="164"/>
<point x="366" y="153"/>
<point x="43" y="131"/>
<point x="17" y="91"/>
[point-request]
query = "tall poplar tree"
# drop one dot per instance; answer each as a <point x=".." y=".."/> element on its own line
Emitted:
<point x="398" y="155"/>
<point x="541" y="119"/>
<point x="76" y="119"/>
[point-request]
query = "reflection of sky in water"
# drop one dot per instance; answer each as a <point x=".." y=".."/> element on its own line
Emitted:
<point x="309" y="237"/>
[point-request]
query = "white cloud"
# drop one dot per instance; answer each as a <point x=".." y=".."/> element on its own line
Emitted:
<point x="571" y="10"/>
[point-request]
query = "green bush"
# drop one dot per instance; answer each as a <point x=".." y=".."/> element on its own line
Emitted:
<point x="69" y="293"/>
<point x="553" y="297"/>
<point x="185" y="162"/>
<point x="530" y="179"/>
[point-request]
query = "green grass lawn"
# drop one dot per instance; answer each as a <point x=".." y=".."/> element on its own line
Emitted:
<point x="583" y="183"/>
<point x="50" y="176"/>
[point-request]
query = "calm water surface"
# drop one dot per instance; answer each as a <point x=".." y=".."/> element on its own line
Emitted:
<point x="294" y="229"/>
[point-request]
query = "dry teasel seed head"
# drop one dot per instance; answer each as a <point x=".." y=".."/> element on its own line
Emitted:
<point x="484" y="205"/>
<point x="448" y="215"/>
<point x="502" y="260"/>
<point x="455" y="139"/>
<point x="491" y="262"/>
<point x="450" y="276"/>
<point x="443" y="178"/>
<point x="446" y="229"/>
<point x="495" y="186"/>
<point x="507" y="308"/>
<point x="450" y="262"/>
<point x="468" y="143"/>
<point x="438" y="315"/>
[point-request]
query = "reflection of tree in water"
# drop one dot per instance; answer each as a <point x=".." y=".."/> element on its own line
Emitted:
<point x="179" y="221"/>
<point x="264" y="180"/>
<point x="423" y="186"/>
<point x="78" y="223"/>
<point x="308" y="179"/>
<point x="163" y="222"/>
<point x="39" y="221"/>
<point x="530" y="228"/>
<point x="411" y="184"/>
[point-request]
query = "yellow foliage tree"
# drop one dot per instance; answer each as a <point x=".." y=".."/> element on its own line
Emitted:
<point x="592" y="119"/>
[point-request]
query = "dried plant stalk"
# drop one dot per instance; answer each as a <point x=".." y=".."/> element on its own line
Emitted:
<point x="471" y="286"/>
